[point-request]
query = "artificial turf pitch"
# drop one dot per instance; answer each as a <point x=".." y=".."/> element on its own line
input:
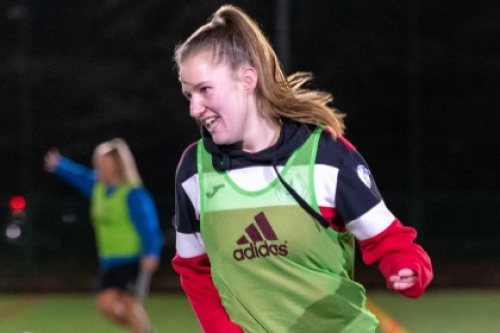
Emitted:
<point x="439" y="311"/>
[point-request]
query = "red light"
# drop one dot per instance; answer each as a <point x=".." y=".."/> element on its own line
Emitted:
<point x="17" y="203"/>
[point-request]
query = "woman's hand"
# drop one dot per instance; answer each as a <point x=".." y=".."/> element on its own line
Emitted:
<point x="52" y="158"/>
<point x="404" y="279"/>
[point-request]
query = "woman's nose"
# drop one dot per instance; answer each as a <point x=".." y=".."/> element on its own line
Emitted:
<point x="196" y="109"/>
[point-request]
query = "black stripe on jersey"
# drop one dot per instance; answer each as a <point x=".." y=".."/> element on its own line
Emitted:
<point x="354" y="197"/>
<point x="185" y="216"/>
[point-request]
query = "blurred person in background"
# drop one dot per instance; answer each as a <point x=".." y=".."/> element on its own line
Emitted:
<point x="270" y="201"/>
<point x="126" y="225"/>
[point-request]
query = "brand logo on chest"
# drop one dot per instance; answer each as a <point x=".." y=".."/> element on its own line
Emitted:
<point x="259" y="241"/>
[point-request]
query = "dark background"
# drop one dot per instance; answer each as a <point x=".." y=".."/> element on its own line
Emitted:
<point x="418" y="80"/>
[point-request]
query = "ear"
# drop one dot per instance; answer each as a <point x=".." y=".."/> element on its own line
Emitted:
<point x="250" y="78"/>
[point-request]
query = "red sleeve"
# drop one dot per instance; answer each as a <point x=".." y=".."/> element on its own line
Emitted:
<point x="393" y="249"/>
<point x="196" y="280"/>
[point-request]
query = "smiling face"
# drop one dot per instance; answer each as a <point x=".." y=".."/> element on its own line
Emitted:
<point x="221" y="99"/>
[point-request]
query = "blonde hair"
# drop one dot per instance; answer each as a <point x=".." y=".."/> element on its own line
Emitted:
<point x="119" y="148"/>
<point x="236" y="39"/>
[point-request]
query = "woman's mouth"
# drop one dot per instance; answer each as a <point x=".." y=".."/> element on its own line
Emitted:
<point x="210" y="122"/>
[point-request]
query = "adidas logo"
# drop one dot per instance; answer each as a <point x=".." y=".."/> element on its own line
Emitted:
<point x="259" y="232"/>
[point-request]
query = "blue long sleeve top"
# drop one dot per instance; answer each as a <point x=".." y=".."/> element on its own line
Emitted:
<point x="139" y="201"/>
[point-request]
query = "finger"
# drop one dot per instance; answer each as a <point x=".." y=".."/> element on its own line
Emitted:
<point x="406" y="272"/>
<point x="402" y="285"/>
<point x="404" y="279"/>
<point x="394" y="278"/>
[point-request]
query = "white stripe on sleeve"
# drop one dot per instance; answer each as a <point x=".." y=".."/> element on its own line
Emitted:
<point x="192" y="188"/>
<point x="372" y="222"/>
<point x="325" y="184"/>
<point x="189" y="245"/>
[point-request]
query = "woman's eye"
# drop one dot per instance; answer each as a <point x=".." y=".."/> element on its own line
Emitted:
<point x="204" y="90"/>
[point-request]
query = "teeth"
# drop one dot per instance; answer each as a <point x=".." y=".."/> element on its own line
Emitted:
<point x="208" y="122"/>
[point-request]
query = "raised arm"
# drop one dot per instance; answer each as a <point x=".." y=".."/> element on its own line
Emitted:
<point x="79" y="176"/>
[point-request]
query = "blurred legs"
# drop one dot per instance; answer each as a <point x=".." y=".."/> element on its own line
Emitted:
<point x="123" y="308"/>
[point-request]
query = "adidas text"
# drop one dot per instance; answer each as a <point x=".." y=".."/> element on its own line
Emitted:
<point x="260" y="251"/>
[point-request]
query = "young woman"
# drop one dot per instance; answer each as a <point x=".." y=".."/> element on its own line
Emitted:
<point x="270" y="200"/>
<point x="127" y="230"/>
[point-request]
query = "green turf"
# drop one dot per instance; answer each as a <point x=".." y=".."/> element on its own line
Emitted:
<point x="435" y="312"/>
<point x="77" y="314"/>
<point x="451" y="311"/>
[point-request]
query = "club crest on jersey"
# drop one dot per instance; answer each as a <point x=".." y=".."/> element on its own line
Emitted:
<point x="364" y="175"/>
<point x="261" y="242"/>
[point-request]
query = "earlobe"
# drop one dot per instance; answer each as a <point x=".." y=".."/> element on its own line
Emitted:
<point x="250" y="78"/>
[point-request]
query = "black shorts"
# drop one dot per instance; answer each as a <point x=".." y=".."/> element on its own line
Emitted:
<point x="122" y="277"/>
